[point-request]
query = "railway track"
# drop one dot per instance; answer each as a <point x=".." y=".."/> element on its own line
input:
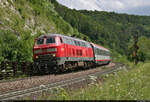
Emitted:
<point x="28" y="92"/>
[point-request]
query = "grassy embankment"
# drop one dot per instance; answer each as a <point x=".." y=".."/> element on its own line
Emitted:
<point x="131" y="84"/>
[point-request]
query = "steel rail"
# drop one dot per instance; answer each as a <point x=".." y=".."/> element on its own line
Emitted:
<point x="30" y="77"/>
<point x="28" y="92"/>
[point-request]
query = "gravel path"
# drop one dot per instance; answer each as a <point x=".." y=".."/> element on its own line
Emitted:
<point x="36" y="81"/>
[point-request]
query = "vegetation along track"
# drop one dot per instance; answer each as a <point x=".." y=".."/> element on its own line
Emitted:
<point x="27" y="92"/>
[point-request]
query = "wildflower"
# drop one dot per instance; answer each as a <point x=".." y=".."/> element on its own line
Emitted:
<point x="132" y="80"/>
<point x="118" y="84"/>
<point x="107" y="75"/>
<point x="111" y="86"/>
<point x="34" y="98"/>
<point x="93" y="78"/>
<point x="96" y="85"/>
<point x="3" y="71"/>
<point x="42" y="86"/>
<point x="117" y="90"/>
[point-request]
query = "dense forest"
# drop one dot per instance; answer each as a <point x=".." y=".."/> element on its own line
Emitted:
<point x="19" y="25"/>
<point x="112" y="30"/>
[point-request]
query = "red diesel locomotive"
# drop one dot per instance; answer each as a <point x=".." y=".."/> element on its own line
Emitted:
<point x="59" y="52"/>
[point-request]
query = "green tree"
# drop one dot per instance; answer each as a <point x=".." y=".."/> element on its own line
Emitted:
<point x="144" y="48"/>
<point x="25" y="46"/>
<point x="108" y="29"/>
<point x="1" y="57"/>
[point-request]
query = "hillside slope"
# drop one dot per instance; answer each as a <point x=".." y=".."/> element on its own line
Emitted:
<point x="112" y="30"/>
<point x="23" y="20"/>
<point x="31" y="15"/>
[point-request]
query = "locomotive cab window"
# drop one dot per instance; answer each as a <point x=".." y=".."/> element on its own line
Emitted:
<point x="61" y="41"/>
<point x="40" y="41"/>
<point x="50" y="40"/>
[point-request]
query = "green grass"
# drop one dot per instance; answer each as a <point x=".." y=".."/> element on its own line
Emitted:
<point x="131" y="84"/>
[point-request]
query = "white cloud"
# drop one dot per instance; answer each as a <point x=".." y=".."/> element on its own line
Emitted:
<point x="121" y="6"/>
<point x="81" y="4"/>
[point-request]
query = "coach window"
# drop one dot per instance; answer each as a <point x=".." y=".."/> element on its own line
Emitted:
<point x="105" y="53"/>
<point x="97" y="51"/>
<point x="100" y="52"/>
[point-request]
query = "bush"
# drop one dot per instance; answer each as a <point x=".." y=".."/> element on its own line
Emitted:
<point x="15" y="48"/>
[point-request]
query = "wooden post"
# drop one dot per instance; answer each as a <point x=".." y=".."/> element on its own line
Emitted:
<point x="1" y="76"/>
<point x="14" y="66"/>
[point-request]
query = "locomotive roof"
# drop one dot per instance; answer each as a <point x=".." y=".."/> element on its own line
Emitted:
<point x="60" y="35"/>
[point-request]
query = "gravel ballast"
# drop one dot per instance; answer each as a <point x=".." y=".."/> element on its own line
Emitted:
<point x="43" y="80"/>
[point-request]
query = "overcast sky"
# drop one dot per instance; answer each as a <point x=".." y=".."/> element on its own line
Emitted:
<point x="137" y="7"/>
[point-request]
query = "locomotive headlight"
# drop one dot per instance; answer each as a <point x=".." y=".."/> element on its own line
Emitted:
<point x="37" y="57"/>
<point x="52" y="50"/>
<point x="54" y="55"/>
<point x="37" y="51"/>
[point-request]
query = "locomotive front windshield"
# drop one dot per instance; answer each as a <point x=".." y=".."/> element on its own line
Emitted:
<point x="50" y="40"/>
<point x="40" y="41"/>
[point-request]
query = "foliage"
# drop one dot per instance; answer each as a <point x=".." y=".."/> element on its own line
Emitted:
<point x="143" y="52"/>
<point x="1" y="58"/>
<point x="127" y="84"/>
<point x="21" y="21"/>
<point x="16" y="48"/>
<point x="8" y="43"/>
<point x="144" y="48"/>
<point x="107" y="29"/>
<point x="37" y="17"/>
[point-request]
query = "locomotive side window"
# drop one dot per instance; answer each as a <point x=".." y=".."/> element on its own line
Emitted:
<point x="79" y="43"/>
<point x="73" y="43"/>
<point x="76" y="43"/>
<point x="70" y="41"/>
<point x="64" y="40"/>
<point x="40" y="41"/>
<point x="61" y="40"/>
<point x="50" y="40"/>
